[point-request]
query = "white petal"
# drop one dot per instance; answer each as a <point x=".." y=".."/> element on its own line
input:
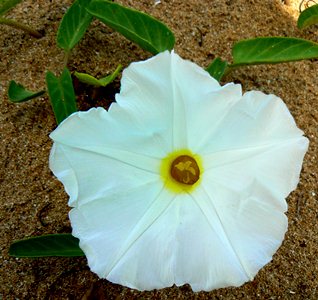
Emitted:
<point x="275" y="166"/>
<point x="204" y="258"/>
<point x="88" y="175"/>
<point x="128" y="238"/>
<point x="64" y="172"/>
<point x="155" y="242"/>
<point x="103" y="132"/>
<point x="209" y="111"/>
<point x="256" y="119"/>
<point x="169" y="88"/>
<point x="250" y="220"/>
<point x="259" y="141"/>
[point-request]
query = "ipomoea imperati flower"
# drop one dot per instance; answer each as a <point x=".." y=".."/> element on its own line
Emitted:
<point x="182" y="180"/>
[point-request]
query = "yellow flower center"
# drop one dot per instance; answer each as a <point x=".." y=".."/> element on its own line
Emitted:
<point x="181" y="171"/>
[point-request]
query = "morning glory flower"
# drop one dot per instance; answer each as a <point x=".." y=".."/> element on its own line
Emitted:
<point x="182" y="181"/>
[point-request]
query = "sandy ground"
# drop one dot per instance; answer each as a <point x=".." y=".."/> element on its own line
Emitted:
<point x="33" y="202"/>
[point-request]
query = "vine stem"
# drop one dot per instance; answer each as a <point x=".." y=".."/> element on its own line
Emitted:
<point x="20" y="26"/>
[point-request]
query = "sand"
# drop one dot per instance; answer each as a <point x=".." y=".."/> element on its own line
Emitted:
<point x="33" y="202"/>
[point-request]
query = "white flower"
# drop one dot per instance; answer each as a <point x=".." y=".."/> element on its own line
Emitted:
<point x="182" y="180"/>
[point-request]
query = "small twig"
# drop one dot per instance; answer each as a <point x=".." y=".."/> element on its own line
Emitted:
<point x="200" y="41"/>
<point x="20" y="26"/>
<point x="40" y="214"/>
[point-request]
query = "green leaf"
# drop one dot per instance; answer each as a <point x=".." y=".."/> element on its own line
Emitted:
<point x="17" y="93"/>
<point x="269" y="50"/>
<point x="47" y="245"/>
<point x="308" y="17"/>
<point x="144" y="30"/>
<point x="84" y="3"/>
<point x="217" y="68"/>
<point x="61" y="94"/>
<point x="6" y="5"/>
<point x="88" y="79"/>
<point x="73" y="26"/>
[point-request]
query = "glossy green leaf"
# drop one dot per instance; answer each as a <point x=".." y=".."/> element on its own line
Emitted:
<point x="46" y="245"/>
<point x="308" y="17"/>
<point x="61" y="94"/>
<point x="17" y="93"/>
<point x="217" y="68"/>
<point x="73" y="26"/>
<point x="6" y="5"/>
<point x="269" y="50"/>
<point x="144" y="30"/>
<point x="88" y="79"/>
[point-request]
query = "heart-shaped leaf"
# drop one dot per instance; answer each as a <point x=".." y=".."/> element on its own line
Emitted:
<point x="18" y="93"/>
<point x="308" y="17"/>
<point x="61" y="94"/>
<point x="46" y="245"/>
<point x="144" y="30"/>
<point x="73" y="26"/>
<point x="269" y="50"/>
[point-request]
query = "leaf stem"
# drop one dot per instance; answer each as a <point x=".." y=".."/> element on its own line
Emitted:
<point x="66" y="58"/>
<point x="20" y="26"/>
<point x="229" y="68"/>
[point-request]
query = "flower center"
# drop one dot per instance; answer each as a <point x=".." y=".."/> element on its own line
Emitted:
<point x="181" y="171"/>
<point x="185" y="169"/>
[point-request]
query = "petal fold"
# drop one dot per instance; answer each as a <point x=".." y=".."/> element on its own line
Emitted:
<point x="128" y="238"/>
<point x="88" y="175"/>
